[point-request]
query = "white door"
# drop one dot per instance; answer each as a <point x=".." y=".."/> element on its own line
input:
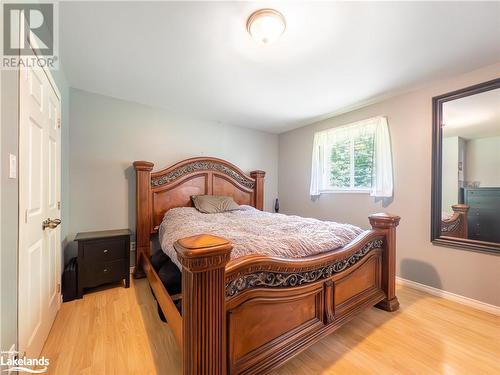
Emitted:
<point x="39" y="200"/>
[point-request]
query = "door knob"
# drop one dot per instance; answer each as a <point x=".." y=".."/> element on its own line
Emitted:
<point x="50" y="223"/>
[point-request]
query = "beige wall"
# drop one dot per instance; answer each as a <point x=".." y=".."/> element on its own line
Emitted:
<point x="108" y="134"/>
<point x="482" y="161"/>
<point x="467" y="273"/>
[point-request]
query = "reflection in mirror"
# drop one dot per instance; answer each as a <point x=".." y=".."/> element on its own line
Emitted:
<point x="470" y="180"/>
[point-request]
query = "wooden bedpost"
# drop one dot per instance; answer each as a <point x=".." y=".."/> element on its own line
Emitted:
<point x="142" y="213"/>
<point x="203" y="260"/>
<point x="387" y="224"/>
<point x="462" y="210"/>
<point x="259" y="188"/>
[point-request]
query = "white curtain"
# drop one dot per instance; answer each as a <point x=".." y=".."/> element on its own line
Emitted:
<point x="317" y="172"/>
<point x="382" y="179"/>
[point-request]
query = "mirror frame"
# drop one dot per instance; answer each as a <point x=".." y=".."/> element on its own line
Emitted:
<point x="437" y="158"/>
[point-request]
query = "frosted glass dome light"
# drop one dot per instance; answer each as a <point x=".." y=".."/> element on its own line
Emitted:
<point x="266" y="25"/>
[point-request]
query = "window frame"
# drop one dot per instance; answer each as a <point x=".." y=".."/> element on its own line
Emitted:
<point x="346" y="191"/>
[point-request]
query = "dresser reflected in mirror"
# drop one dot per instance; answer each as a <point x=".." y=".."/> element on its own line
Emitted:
<point x="466" y="168"/>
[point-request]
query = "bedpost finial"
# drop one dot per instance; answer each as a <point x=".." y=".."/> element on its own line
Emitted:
<point x="203" y="252"/>
<point x="384" y="220"/>
<point x="257" y="174"/>
<point x="140" y="165"/>
<point x="460" y="208"/>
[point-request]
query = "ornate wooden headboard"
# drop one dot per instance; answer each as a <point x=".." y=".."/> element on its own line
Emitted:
<point x="157" y="192"/>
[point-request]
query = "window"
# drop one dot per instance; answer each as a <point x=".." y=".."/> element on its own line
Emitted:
<point x="350" y="164"/>
<point x="353" y="158"/>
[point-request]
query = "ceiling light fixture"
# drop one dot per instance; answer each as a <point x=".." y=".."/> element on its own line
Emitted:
<point x="266" y="25"/>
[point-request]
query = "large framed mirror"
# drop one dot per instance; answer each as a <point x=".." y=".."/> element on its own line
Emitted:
<point x="466" y="168"/>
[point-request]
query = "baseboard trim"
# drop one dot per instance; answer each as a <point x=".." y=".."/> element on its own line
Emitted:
<point x="483" y="306"/>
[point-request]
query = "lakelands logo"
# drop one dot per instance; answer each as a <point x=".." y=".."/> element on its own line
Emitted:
<point x="30" y="35"/>
<point x="11" y="361"/>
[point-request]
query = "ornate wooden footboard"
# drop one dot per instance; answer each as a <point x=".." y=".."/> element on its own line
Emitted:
<point x="251" y="314"/>
<point x="456" y="225"/>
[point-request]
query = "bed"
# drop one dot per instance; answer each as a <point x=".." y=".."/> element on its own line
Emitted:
<point x="250" y="314"/>
<point x="455" y="224"/>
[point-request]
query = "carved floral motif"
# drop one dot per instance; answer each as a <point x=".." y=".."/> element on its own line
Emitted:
<point x="202" y="166"/>
<point x="273" y="279"/>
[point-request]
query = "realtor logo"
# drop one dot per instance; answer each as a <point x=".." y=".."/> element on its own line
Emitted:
<point x="12" y="361"/>
<point x="30" y="36"/>
<point x="28" y="24"/>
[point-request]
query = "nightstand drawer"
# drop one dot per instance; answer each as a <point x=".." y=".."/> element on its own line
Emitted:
<point x="105" y="250"/>
<point x="106" y="272"/>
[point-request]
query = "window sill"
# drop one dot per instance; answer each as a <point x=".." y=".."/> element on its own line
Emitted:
<point x="339" y="191"/>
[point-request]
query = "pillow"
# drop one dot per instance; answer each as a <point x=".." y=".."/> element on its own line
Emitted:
<point x="212" y="204"/>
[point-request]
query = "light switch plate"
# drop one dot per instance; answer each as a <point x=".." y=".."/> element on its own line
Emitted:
<point x="12" y="166"/>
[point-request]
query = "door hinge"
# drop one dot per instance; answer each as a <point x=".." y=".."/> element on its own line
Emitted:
<point x="58" y="123"/>
<point x="59" y="205"/>
<point x="58" y="288"/>
<point x="26" y="215"/>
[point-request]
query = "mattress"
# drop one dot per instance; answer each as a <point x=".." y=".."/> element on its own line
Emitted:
<point x="252" y="231"/>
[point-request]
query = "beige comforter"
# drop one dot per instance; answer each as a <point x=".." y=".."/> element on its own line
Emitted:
<point x="255" y="232"/>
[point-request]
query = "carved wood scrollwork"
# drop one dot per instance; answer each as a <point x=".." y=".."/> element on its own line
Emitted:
<point x="451" y="227"/>
<point x="201" y="166"/>
<point x="274" y="279"/>
<point x="329" y="301"/>
<point x="203" y="263"/>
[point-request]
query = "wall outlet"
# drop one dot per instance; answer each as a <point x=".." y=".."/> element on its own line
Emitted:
<point x="132" y="246"/>
<point x="12" y="166"/>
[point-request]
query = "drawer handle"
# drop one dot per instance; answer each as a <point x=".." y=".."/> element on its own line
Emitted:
<point x="105" y="270"/>
<point x="105" y="251"/>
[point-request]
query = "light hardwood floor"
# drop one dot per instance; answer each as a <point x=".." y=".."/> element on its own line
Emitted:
<point x="117" y="331"/>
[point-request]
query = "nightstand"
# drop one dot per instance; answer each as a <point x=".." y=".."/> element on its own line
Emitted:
<point x="103" y="257"/>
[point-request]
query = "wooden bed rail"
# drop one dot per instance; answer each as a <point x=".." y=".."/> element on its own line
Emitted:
<point x="164" y="300"/>
<point x="203" y="260"/>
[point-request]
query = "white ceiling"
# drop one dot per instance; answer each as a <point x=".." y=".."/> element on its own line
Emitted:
<point x="196" y="58"/>
<point x="474" y="116"/>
